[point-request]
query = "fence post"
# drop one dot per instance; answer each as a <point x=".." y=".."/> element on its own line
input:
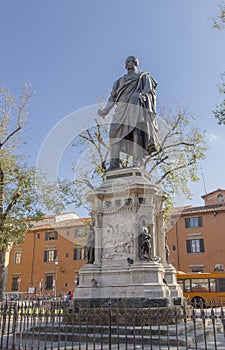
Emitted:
<point x="110" y="321"/>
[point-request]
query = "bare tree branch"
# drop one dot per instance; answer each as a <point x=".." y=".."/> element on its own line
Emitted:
<point x="9" y="136"/>
<point x="14" y="200"/>
<point x="19" y="117"/>
<point x="86" y="182"/>
<point x="175" y="169"/>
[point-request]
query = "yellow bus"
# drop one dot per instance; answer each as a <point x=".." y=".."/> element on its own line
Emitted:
<point x="203" y="289"/>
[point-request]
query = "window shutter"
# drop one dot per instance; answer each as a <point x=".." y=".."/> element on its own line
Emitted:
<point x="45" y="256"/>
<point x="56" y="235"/>
<point x="55" y="254"/>
<point x="187" y="222"/>
<point x="202" y="247"/>
<point x="75" y="255"/>
<point x="200" y="221"/>
<point x="188" y="242"/>
<point x="46" y="236"/>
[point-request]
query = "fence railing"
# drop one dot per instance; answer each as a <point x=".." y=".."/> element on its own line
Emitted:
<point x="55" y="325"/>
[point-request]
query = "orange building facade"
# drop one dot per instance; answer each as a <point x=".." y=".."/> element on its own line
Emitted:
<point x="48" y="261"/>
<point x="54" y="250"/>
<point x="196" y="237"/>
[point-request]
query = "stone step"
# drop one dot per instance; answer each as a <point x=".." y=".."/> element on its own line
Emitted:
<point x="140" y="335"/>
<point x="121" y="338"/>
<point x="129" y="330"/>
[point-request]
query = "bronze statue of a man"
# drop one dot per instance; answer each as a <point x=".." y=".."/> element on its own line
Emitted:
<point x="145" y="245"/>
<point x="133" y="127"/>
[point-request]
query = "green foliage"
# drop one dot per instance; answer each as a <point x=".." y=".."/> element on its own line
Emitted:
<point x="219" y="20"/>
<point x="24" y="193"/>
<point x="219" y="113"/>
<point x="15" y="179"/>
<point x="55" y="196"/>
<point x="219" y="23"/>
<point x="181" y="146"/>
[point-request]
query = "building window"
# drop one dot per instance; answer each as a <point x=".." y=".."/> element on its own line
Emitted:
<point x="17" y="257"/>
<point x="197" y="270"/>
<point x="67" y="255"/>
<point x="80" y="253"/>
<point x="195" y="246"/>
<point x="49" y="282"/>
<point x="15" y="283"/>
<point x="174" y="247"/>
<point x="220" y="197"/>
<point x="76" y="233"/>
<point x="79" y="232"/>
<point x="50" y="255"/>
<point x="193" y="222"/>
<point x="51" y="236"/>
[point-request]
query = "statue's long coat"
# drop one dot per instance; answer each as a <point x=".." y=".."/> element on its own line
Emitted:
<point x="131" y="113"/>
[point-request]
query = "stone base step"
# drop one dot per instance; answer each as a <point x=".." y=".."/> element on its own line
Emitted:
<point x="176" y="336"/>
<point x="172" y="330"/>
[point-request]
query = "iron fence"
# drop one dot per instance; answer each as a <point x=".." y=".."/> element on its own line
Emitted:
<point x="55" y="325"/>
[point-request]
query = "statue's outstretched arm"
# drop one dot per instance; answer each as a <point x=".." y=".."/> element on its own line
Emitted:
<point x="111" y="101"/>
<point x="103" y="112"/>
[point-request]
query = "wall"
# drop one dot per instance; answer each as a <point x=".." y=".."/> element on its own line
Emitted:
<point x="32" y="269"/>
<point x="212" y="232"/>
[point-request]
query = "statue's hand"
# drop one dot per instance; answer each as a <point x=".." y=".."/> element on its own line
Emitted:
<point x="142" y="98"/>
<point x="102" y="112"/>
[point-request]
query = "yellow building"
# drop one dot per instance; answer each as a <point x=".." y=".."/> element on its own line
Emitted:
<point x="50" y="257"/>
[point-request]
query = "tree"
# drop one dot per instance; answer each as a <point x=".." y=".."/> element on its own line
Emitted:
<point x="19" y="199"/>
<point x="180" y="146"/>
<point x="219" y="113"/>
<point x="219" y="23"/>
<point x="219" y="20"/>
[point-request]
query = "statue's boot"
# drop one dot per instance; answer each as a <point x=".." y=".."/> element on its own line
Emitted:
<point x="114" y="164"/>
<point x="151" y="149"/>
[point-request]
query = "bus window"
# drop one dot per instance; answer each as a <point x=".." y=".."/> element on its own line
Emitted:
<point x="220" y="284"/>
<point x="212" y="284"/>
<point x="187" y="285"/>
<point x="207" y="287"/>
<point x="200" y="285"/>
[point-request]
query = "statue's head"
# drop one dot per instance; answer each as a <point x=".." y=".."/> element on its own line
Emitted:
<point x="132" y="59"/>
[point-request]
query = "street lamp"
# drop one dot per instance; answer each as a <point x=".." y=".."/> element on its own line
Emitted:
<point x="56" y="261"/>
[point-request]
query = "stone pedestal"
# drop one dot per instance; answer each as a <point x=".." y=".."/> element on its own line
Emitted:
<point x="130" y="253"/>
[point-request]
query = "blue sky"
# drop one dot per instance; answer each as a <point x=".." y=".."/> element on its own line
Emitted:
<point x="71" y="52"/>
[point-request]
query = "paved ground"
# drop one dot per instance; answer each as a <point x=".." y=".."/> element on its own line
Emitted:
<point x="27" y="343"/>
<point x="91" y="346"/>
